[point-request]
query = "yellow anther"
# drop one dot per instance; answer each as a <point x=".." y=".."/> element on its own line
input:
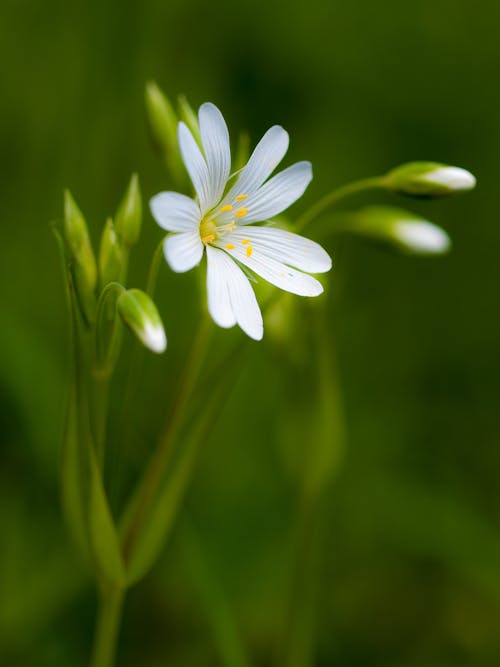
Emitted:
<point x="241" y="197"/>
<point x="241" y="212"/>
<point x="230" y="246"/>
<point x="245" y="241"/>
<point x="208" y="238"/>
<point x="228" y="207"/>
<point x="249" y="250"/>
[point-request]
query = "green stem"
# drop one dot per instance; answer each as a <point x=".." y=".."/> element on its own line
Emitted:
<point x="138" y="350"/>
<point x="160" y="458"/>
<point x="154" y="269"/>
<point x="321" y="468"/>
<point x="334" y="197"/>
<point x="106" y="349"/>
<point x="108" y="623"/>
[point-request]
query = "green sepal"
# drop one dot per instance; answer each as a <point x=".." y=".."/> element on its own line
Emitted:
<point x="162" y="120"/>
<point x="112" y="257"/>
<point x="188" y="115"/>
<point x="128" y="218"/>
<point x="81" y="256"/>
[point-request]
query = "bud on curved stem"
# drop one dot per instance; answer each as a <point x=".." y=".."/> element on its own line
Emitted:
<point x="428" y="179"/>
<point x="139" y="313"/>
<point x="81" y="256"/>
<point x="403" y="230"/>
<point x="129" y="216"/>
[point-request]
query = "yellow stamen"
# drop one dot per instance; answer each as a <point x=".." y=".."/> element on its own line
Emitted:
<point x="241" y="197"/>
<point x="249" y="250"/>
<point x="230" y="246"/>
<point x="228" y="207"/>
<point x="208" y="238"/>
<point x="241" y="212"/>
<point x="245" y="241"/>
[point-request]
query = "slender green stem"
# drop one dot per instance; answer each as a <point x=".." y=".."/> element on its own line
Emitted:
<point x="108" y="623"/>
<point x="154" y="269"/>
<point x="325" y="455"/>
<point x="138" y="350"/>
<point x="106" y="349"/>
<point x="160" y="458"/>
<point x="334" y="197"/>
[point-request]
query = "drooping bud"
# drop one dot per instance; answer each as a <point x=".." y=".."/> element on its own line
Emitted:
<point x="129" y="216"/>
<point x="141" y="316"/>
<point x="112" y="261"/>
<point x="81" y="254"/>
<point x="404" y="230"/>
<point x="189" y="117"/>
<point x="428" y="179"/>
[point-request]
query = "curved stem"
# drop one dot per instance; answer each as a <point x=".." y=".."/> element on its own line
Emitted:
<point x="161" y="456"/>
<point x="335" y="196"/>
<point x="108" y="622"/>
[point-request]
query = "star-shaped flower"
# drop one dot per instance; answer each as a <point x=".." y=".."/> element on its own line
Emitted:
<point x="217" y="222"/>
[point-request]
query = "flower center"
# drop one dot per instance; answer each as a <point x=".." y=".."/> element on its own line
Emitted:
<point x="211" y="229"/>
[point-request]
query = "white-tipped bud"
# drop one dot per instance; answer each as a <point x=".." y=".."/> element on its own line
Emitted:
<point x="141" y="316"/>
<point x="402" y="229"/>
<point x="428" y="179"/>
<point x="129" y="216"/>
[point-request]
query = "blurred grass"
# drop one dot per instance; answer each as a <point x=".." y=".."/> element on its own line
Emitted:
<point x="412" y="567"/>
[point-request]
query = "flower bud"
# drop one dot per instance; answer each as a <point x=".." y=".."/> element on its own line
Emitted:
<point x="428" y="179"/>
<point x="189" y="117"/>
<point x="141" y="316"/>
<point x="111" y="257"/>
<point x="162" y="119"/>
<point x="405" y="231"/>
<point x="81" y="255"/>
<point x="129" y="216"/>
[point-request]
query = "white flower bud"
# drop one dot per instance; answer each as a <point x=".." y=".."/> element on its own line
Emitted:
<point x="139" y="313"/>
<point x="405" y="231"/>
<point x="428" y="179"/>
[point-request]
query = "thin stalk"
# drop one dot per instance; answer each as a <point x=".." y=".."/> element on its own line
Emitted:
<point x="107" y="628"/>
<point x="138" y="350"/>
<point x="325" y="458"/>
<point x="160" y="458"/>
<point x="334" y="197"/>
<point x="106" y="349"/>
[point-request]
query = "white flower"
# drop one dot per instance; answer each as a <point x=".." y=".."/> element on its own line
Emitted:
<point x="217" y="222"/>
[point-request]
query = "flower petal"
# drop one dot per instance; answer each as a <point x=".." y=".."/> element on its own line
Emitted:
<point x="280" y="192"/>
<point x="267" y="155"/>
<point x="215" y="139"/>
<point x="195" y="165"/>
<point x="175" y="212"/>
<point x="272" y="270"/>
<point x="183" y="251"/>
<point x="285" y="247"/>
<point x="231" y="299"/>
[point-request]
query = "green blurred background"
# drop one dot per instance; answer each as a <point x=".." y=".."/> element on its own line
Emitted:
<point x="410" y="565"/>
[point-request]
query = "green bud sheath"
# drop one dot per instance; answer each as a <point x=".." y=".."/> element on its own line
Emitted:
<point x="428" y="179"/>
<point x="81" y="255"/>
<point x="112" y="264"/>
<point x="162" y="120"/>
<point x="189" y="117"/>
<point x="140" y="314"/>
<point x="129" y="216"/>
